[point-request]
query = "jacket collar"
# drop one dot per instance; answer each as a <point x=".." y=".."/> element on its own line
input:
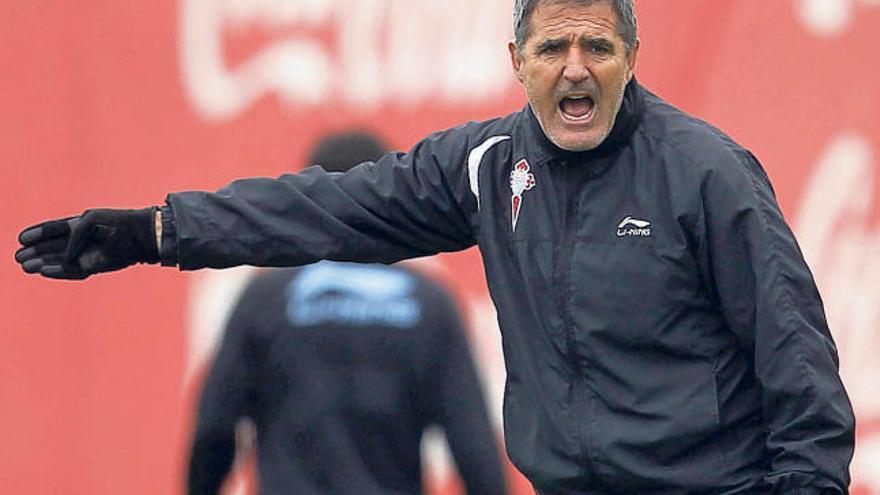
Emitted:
<point x="628" y="118"/>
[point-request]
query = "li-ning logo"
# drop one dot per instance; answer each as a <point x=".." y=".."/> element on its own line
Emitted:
<point x="632" y="227"/>
<point x="521" y="180"/>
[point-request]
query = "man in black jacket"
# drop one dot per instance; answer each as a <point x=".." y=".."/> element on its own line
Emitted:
<point x="341" y="367"/>
<point x="662" y="332"/>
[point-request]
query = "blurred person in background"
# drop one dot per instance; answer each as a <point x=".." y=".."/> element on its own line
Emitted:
<point x="662" y="332"/>
<point x="341" y="367"/>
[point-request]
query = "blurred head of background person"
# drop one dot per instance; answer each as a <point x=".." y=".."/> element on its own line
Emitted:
<point x="340" y="368"/>
<point x="339" y="151"/>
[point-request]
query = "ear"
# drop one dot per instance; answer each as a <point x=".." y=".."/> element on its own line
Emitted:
<point x="632" y="59"/>
<point x="515" y="60"/>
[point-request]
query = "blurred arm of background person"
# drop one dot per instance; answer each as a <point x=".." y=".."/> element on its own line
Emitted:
<point x="228" y="395"/>
<point x="456" y="401"/>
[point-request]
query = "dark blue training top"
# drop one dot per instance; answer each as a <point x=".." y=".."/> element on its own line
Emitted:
<point x="342" y="367"/>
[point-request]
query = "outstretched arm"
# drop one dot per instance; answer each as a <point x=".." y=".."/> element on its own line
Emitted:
<point x="401" y="206"/>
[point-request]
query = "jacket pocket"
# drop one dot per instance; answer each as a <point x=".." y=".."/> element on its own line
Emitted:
<point x="661" y="424"/>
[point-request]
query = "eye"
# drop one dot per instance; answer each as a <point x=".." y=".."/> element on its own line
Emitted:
<point x="550" y="48"/>
<point x="599" y="47"/>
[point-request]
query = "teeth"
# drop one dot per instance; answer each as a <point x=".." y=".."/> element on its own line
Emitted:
<point x="585" y="117"/>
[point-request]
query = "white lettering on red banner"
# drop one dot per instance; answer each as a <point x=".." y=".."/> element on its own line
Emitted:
<point x="371" y="52"/>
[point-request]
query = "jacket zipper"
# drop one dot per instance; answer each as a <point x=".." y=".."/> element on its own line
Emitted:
<point x="566" y="252"/>
<point x="564" y="263"/>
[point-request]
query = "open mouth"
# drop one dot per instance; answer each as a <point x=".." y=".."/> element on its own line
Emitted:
<point x="579" y="109"/>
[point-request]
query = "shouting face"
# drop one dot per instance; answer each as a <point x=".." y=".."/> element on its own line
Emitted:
<point x="575" y="67"/>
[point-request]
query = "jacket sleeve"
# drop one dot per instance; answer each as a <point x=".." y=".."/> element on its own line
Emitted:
<point x="225" y="399"/>
<point x="769" y="299"/>
<point x="456" y="401"/>
<point x="401" y="206"/>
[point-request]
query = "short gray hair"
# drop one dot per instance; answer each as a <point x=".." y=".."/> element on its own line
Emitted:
<point x="627" y="27"/>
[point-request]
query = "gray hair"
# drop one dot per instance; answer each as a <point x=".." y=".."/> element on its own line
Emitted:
<point x="627" y="28"/>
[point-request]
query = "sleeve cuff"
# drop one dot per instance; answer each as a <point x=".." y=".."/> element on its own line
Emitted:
<point x="168" y="255"/>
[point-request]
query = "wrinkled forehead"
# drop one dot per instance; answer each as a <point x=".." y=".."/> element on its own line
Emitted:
<point x="564" y="18"/>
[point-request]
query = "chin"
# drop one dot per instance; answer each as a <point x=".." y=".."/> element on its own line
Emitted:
<point x="571" y="138"/>
<point x="576" y="143"/>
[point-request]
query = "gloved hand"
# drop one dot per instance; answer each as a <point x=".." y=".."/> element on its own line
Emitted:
<point x="101" y="240"/>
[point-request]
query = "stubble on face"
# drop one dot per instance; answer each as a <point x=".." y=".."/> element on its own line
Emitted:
<point x="575" y="68"/>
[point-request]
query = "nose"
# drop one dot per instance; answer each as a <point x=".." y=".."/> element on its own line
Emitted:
<point x="576" y="66"/>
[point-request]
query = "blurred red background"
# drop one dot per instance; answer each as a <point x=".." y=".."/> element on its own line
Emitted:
<point x="114" y="104"/>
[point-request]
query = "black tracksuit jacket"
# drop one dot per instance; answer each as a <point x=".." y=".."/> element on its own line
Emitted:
<point x="341" y="367"/>
<point x="662" y="333"/>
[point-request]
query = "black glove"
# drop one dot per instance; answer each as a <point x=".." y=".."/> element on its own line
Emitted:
<point x="97" y="241"/>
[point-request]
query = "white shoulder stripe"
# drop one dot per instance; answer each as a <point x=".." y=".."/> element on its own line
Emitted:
<point x="475" y="158"/>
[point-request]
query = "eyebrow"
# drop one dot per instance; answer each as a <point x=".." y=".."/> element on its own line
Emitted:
<point x="584" y="41"/>
<point x="552" y="43"/>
